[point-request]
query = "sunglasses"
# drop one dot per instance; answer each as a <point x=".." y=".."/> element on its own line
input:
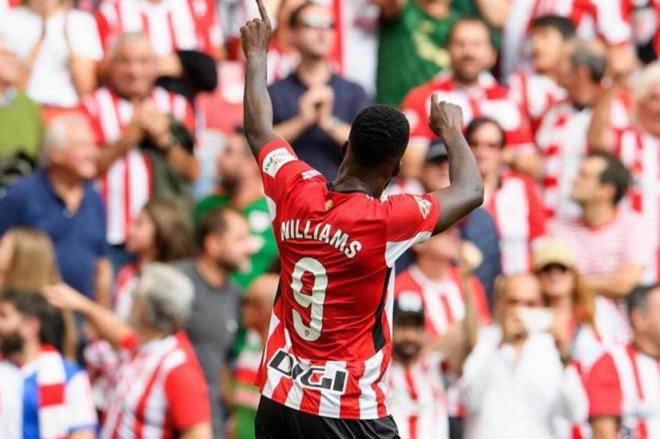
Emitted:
<point x="552" y="267"/>
<point x="317" y="23"/>
<point x="523" y="303"/>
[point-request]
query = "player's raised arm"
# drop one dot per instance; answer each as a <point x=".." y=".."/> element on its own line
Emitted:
<point x="257" y="107"/>
<point x="466" y="191"/>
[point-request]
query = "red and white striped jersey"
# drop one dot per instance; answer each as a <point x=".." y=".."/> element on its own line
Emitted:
<point x="593" y="18"/>
<point x="603" y="251"/>
<point x="487" y="99"/>
<point x="640" y="152"/>
<point x="624" y="383"/>
<point x="416" y="397"/>
<point x="444" y="301"/>
<point x="160" y="391"/>
<point x="124" y="290"/>
<point x="562" y="141"/>
<point x="127" y="184"/>
<point x="535" y="93"/>
<point x="329" y="342"/>
<point x="517" y="208"/>
<point x="170" y="24"/>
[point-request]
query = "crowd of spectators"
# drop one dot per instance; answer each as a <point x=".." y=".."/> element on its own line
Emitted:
<point x="138" y="264"/>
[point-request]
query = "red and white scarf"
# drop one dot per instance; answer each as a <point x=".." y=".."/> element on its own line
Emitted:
<point x="51" y="382"/>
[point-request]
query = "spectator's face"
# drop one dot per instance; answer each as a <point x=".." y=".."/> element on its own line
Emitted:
<point x="133" y="69"/>
<point x="234" y="161"/>
<point x="79" y="155"/>
<point x="486" y="144"/>
<point x="587" y="185"/>
<point x="649" y="110"/>
<point x="517" y="294"/>
<point x="647" y="321"/>
<point x="141" y="235"/>
<point x="444" y="246"/>
<point x="14" y="330"/>
<point x="407" y="340"/>
<point x="233" y="248"/>
<point x="257" y="304"/>
<point x="435" y="176"/>
<point x="556" y="281"/>
<point x="314" y="33"/>
<point x="547" y="49"/>
<point x="471" y="51"/>
<point x="10" y="70"/>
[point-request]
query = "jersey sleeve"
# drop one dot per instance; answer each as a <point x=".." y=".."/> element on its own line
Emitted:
<point x="603" y="389"/>
<point x="187" y="397"/>
<point x="281" y="169"/>
<point x="410" y="220"/>
<point x="611" y="23"/>
<point x="80" y="404"/>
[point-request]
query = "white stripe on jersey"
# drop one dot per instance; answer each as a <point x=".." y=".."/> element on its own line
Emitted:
<point x="368" y="404"/>
<point x="394" y="250"/>
<point x="330" y="404"/>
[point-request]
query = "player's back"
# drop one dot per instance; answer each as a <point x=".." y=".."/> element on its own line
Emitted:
<point x="329" y="340"/>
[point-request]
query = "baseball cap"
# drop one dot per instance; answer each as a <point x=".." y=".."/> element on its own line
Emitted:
<point x="553" y="251"/>
<point x="437" y="152"/>
<point x="408" y="307"/>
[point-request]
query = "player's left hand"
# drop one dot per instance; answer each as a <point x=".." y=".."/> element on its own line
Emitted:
<point x="255" y="34"/>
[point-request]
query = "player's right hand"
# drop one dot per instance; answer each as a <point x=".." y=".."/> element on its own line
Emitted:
<point x="255" y="34"/>
<point x="445" y="119"/>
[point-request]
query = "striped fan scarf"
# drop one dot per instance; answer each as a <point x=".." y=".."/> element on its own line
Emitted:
<point x="51" y="382"/>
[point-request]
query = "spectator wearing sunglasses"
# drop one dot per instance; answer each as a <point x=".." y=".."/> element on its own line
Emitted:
<point x="314" y="106"/>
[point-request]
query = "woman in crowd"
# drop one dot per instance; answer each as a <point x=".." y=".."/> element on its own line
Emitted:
<point x="574" y="327"/>
<point x="160" y="233"/>
<point x="27" y="263"/>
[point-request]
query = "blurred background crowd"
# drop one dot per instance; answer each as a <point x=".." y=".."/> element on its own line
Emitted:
<point x="138" y="265"/>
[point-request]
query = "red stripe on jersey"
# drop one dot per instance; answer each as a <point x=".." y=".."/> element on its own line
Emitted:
<point x="412" y="391"/>
<point x="642" y="432"/>
<point x="142" y="404"/>
<point x="447" y="308"/>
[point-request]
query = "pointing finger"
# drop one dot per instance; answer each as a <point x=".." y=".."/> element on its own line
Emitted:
<point x="263" y="13"/>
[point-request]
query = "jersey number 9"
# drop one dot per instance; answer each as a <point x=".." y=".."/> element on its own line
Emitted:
<point x="315" y="300"/>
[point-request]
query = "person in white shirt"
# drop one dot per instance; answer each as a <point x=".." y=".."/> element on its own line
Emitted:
<point x="59" y="48"/>
<point x="416" y="392"/>
<point x="514" y="384"/>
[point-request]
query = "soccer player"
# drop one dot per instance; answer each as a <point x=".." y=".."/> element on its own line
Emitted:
<point x="329" y="342"/>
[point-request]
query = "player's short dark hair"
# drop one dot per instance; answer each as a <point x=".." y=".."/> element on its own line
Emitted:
<point x="639" y="297"/>
<point x="480" y="121"/>
<point x="33" y="304"/>
<point x="379" y="134"/>
<point x="214" y="221"/>
<point x="464" y="20"/>
<point x="615" y="174"/>
<point x="294" y="18"/>
<point x="562" y="25"/>
<point x="594" y="60"/>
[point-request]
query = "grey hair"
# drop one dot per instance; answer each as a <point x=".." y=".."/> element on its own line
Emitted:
<point x="58" y="131"/>
<point x="126" y="37"/>
<point x="167" y="296"/>
<point x="592" y="56"/>
<point x="644" y="80"/>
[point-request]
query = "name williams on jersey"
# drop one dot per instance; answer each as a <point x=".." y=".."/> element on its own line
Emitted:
<point x="323" y="232"/>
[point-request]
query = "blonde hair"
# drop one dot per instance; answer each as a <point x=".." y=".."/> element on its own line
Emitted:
<point x="33" y="264"/>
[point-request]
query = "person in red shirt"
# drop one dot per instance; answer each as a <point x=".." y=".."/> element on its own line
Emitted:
<point x="329" y="342"/>
<point x="160" y="390"/>
<point x="623" y="385"/>
<point x="512" y="199"/>
<point x="470" y="86"/>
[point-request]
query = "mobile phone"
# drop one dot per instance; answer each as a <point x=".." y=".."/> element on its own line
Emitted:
<point x="537" y="319"/>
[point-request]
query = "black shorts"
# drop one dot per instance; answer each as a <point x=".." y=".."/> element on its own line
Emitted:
<point x="275" y="421"/>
